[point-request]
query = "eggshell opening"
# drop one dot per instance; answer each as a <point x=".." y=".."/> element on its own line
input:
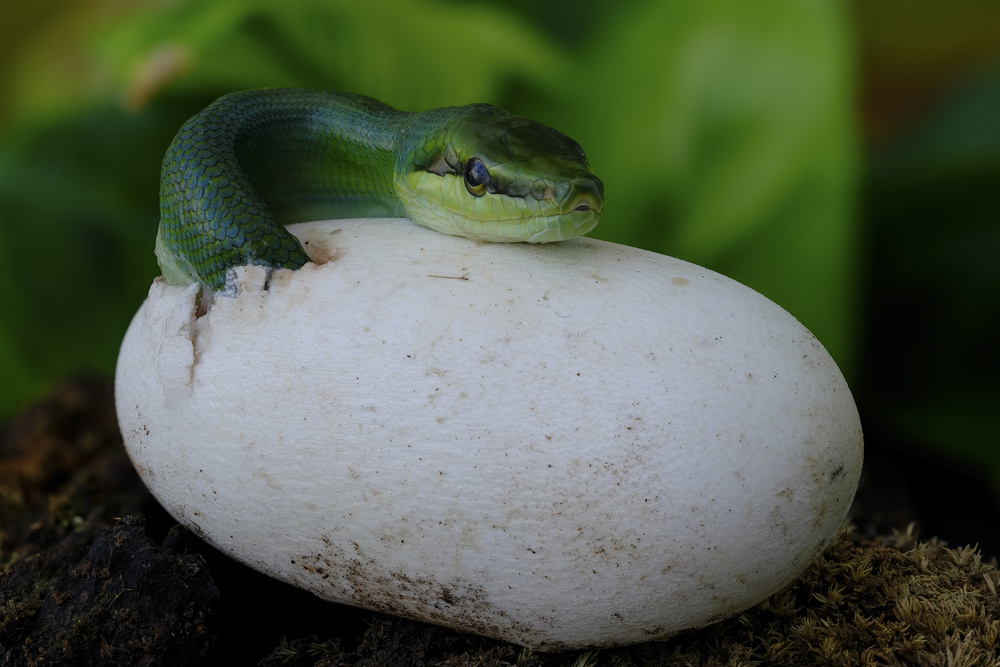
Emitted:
<point x="568" y="445"/>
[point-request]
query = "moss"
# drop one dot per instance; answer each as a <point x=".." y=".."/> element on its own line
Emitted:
<point x="890" y="601"/>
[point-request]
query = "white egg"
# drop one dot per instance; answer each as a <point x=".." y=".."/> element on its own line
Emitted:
<point x="569" y="445"/>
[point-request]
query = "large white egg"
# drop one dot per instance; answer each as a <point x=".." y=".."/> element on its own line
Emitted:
<point x="568" y="445"/>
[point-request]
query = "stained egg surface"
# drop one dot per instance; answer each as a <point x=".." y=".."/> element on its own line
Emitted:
<point x="568" y="445"/>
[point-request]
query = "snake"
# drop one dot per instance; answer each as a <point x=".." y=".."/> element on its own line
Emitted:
<point x="254" y="161"/>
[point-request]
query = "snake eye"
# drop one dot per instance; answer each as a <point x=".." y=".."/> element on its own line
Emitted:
<point x="477" y="177"/>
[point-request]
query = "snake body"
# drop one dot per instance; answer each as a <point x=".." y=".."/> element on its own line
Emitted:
<point x="253" y="161"/>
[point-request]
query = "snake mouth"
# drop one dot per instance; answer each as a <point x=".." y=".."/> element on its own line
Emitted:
<point x="584" y="203"/>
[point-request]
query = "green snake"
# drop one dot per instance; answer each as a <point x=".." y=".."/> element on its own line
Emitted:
<point x="253" y="161"/>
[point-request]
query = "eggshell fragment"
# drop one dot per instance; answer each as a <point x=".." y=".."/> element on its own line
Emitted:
<point x="569" y="445"/>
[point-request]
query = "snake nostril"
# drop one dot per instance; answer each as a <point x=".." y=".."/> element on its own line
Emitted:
<point x="589" y="197"/>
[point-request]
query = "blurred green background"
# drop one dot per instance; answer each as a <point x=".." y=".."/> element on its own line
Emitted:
<point x="841" y="158"/>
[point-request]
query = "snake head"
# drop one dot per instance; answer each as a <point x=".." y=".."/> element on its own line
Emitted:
<point x="486" y="174"/>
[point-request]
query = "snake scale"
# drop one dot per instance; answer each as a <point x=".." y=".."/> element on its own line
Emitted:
<point x="253" y="161"/>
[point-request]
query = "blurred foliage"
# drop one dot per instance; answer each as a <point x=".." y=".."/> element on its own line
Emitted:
<point x="723" y="132"/>
<point x="932" y="356"/>
<point x="929" y="360"/>
<point x="914" y="51"/>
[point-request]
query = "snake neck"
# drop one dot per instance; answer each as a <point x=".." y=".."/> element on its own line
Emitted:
<point x="321" y="155"/>
<point x="252" y="162"/>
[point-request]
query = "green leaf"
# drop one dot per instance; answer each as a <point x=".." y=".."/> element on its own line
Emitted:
<point x="77" y="222"/>
<point x="413" y="55"/>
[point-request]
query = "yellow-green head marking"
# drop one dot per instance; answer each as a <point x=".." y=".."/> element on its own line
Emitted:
<point x="491" y="176"/>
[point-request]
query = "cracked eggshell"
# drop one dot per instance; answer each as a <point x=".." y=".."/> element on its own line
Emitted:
<point x="570" y="445"/>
